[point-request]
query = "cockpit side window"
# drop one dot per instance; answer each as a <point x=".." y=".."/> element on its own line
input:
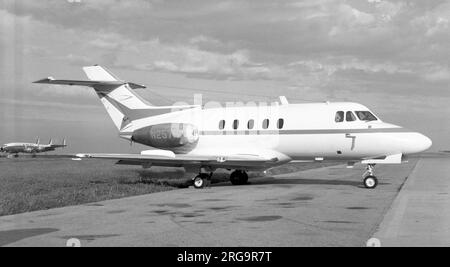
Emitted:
<point x="339" y="117"/>
<point x="365" y="116"/>
<point x="349" y="116"/>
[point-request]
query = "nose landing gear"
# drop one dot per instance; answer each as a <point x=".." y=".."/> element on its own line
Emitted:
<point x="370" y="180"/>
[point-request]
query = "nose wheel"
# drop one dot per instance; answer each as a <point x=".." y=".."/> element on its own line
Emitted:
<point x="370" y="180"/>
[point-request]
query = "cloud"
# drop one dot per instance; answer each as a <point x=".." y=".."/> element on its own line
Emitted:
<point x="438" y="75"/>
<point x="293" y="40"/>
<point x="331" y="66"/>
<point x="354" y="50"/>
<point x="192" y="61"/>
<point x="312" y="41"/>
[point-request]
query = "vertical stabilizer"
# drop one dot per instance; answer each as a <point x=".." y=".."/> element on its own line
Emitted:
<point x="111" y="95"/>
<point x="97" y="73"/>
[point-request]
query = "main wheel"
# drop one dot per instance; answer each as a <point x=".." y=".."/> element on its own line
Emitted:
<point x="244" y="178"/>
<point x="370" y="182"/>
<point x="234" y="178"/>
<point x="238" y="177"/>
<point x="199" y="181"/>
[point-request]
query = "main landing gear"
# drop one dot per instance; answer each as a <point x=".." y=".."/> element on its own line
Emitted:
<point x="370" y="180"/>
<point x="239" y="177"/>
<point x="203" y="179"/>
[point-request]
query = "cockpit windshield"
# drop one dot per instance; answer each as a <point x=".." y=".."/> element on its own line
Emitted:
<point x="365" y="116"/>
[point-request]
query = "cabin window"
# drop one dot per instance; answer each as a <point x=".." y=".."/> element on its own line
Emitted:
<point x="222" y="124"/>
<point x="235" y="124"/>
<point x="280" y="123"/>
<point x="250" y="124"/>
<point x="339" y="117"/>
<point x="365" y="116"/>
<point x="265" y="123"/>
<point x="349" y="116"/>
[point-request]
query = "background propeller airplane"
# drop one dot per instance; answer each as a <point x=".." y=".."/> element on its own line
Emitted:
<point x="13" y="149"/>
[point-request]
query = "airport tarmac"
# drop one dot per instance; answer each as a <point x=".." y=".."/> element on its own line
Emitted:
<point x="318" y="207"/>
<point x="420" y="215"/>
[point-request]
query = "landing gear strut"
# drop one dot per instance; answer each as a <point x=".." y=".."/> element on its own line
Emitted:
<point x="239" y="177"/>
<point x="370" y="180"/>
<point x="202" y="180"/>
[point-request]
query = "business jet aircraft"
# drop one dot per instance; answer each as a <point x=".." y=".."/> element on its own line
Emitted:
<point x="244" y="138"/>
<point x="30" y="148"/>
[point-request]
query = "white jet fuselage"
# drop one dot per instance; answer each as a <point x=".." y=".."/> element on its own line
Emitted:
<point x="308" y="132"/>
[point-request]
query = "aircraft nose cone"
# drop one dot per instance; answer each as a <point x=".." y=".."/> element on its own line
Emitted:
<point x="426" y="142"/>
<point x="416" y="143"/>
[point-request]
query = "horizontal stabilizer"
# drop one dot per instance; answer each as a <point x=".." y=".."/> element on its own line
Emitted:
<point x="51" y="80"/>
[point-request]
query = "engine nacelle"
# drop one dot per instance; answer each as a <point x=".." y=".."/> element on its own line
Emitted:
<point x="172" y="136"/>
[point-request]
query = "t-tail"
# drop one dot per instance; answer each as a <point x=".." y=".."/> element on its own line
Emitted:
<point x="117" y="96"/>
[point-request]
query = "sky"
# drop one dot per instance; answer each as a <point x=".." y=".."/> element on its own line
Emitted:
<point x="392" y="56"/>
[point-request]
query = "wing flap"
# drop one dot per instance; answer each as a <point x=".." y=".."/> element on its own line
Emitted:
<point x="236" y="160"/>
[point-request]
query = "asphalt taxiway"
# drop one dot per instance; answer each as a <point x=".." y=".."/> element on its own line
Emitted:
<point x="318" y="207"/>
<point x="420" y="214"/>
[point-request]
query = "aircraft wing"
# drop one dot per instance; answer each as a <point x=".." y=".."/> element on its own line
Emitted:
<point x="389" y="159"/>
<point x="235" y="160"/>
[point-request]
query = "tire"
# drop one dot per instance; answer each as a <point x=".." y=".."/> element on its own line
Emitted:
<point x="199" y="182"/>
<point x="370" y="182"/>
<point x="244" y="178"/>
<point x="234" y="178"/>
<point x="238" y="178"/>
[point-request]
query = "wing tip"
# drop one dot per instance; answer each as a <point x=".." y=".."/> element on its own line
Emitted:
<point x="45" y="80"/>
